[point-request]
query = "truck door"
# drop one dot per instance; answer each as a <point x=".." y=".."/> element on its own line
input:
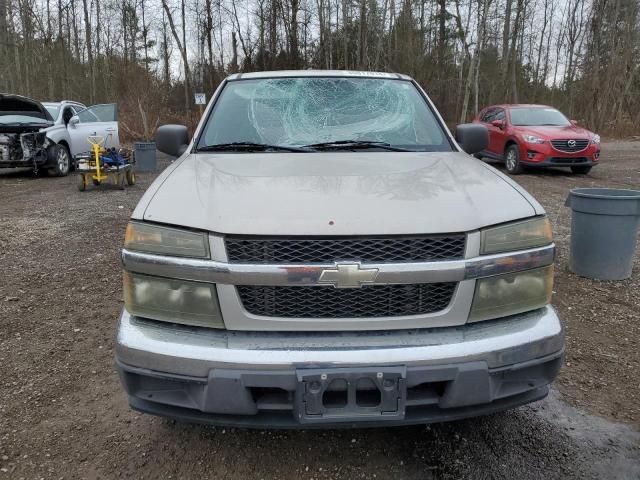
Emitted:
<point x="496" y="134"/>
<point x="98" y="120"/>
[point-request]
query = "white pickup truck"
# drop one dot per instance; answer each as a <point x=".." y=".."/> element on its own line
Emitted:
<point x="324" y="252"/>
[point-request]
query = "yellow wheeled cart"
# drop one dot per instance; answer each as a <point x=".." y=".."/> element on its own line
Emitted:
<point x="103" y="165"/>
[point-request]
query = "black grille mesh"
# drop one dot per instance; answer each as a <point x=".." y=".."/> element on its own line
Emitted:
<point x="563" y="145"/>
<point x="329" y="302"/>
<point x="566" y="160"/>
<point x="322" y="250"/>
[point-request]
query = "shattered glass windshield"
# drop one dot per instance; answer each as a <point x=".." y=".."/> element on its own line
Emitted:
<point x="311" y="110"/>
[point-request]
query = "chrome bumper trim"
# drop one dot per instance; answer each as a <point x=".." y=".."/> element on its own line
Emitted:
<point x="195" y="351"/>
<point x="212" y="271"/>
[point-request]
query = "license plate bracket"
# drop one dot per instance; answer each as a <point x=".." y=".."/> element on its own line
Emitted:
<point x="351" y="394"/>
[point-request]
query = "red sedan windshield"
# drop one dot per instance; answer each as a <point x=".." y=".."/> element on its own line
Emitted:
<point x="537" y="117"/>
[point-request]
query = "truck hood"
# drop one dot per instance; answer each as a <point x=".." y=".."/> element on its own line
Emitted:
<point x="335" y="193"/>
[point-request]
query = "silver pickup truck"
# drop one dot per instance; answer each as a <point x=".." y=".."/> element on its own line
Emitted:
<point x="324" y="252"/>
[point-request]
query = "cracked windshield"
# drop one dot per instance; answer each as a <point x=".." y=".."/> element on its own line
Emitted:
<point x="298" y="112"/>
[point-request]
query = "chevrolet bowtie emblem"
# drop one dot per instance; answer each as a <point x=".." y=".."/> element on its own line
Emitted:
<point x="348" y="275"/>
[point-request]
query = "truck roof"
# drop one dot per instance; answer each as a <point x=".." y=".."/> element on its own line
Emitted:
<point x="316" y="73"/>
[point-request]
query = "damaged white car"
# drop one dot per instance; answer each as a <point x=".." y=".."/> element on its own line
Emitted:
<point x="23" y="143"/>
<point x="31" y="137"/>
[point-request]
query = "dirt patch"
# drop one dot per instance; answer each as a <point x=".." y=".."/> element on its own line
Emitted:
<point x="64" y="415"/>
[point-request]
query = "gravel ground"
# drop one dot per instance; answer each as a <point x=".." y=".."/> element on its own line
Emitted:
<point x="63" y="414"/>
<point x="602" y="371"/>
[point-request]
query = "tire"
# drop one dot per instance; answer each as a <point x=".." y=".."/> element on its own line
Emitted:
<point x="581" y="169"/>
<point x="82" y="185"/>
<point x="131" y="177"/>
<point x="118" y="180"/>
<point x="62" y="165"/>
<point x="512" y="159"/>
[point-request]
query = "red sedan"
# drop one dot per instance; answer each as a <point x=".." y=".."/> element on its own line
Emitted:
<point x="537" y="135"/>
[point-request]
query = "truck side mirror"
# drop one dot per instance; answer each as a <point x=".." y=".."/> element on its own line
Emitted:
<point x="73" y="121"/>
<point x="472" y="137"/>
<point x="172" y="139"/>
<point x="574" y="122"/>
<point x="498" y="123"/>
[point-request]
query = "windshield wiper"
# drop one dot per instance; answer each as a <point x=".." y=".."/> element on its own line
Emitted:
<point x="355" y="144"/>
<point x="249" y="147"/>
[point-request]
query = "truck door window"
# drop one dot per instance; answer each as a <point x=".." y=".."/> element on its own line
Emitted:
<point x="99" y="113"/>
<point x="487" y="116"/>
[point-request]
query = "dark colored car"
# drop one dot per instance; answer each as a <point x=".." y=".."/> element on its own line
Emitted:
<point x="537" y="135"/>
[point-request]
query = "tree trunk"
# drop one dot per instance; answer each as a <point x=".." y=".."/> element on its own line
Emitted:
<point x="362" y="36"/>
<point x="208" y="35"/>
<point x="145" y="33"/>
<point x="165" y="54"/>
<point x="234" y="58"/>
<point x="273" y="33"/>
<point x="513" y="53"/>
<point x="87" y="34"/>
<point x="183" y="53"/>
<point x="345" y="39"/>
<point x="474" y="66"/>
<point x="4" y="45"/>
<point x="293" y="34"/>
<point x="187" y="73"/>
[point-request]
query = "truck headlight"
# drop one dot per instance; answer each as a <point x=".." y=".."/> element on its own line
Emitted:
<point x="511" y="293"/>
<point x="596" y="139"/>
<point x="149" y="238"/>
<point x="169" y="300"/>
<point x="532" y="233"/>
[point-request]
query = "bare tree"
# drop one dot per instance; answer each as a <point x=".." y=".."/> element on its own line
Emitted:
<point x="579" y="55"/>
<point x="182" y="47"/>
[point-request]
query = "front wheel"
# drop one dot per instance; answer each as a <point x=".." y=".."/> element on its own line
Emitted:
<point x="512" y="160"/>
<point x="131" y="177"/>
<point x="82" y="185"/>
<point x="581" y="169"/>
<point x="62" y="163"/>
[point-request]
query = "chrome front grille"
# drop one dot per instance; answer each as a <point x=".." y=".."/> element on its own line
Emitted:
<point x="327" y="302"/>
<point x="570" y="145"/>
<point x="292" y="250"/>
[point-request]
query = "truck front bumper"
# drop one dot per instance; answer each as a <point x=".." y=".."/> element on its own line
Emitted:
<point x="298" y="379"/>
